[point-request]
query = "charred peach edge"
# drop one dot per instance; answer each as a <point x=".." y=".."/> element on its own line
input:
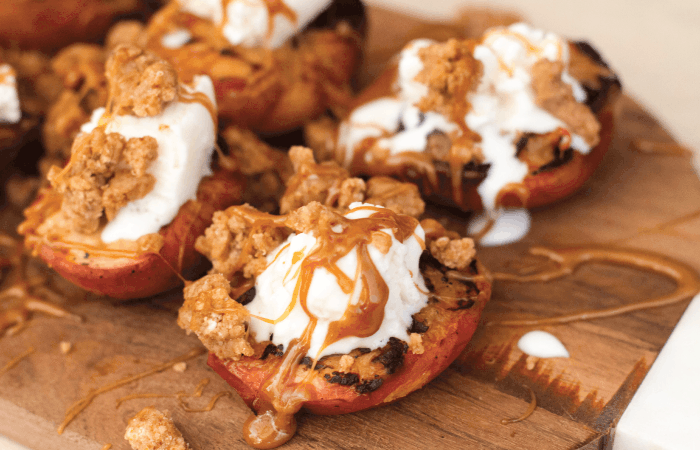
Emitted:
<point x="150" y="274"/>
<point x="556" y="184"/>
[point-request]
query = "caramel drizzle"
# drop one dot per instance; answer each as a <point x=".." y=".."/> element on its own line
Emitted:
<point x="282" y="395"/>
<point x="531" y="49"/>
<point x="567" y="260"/>
<point x="107" y="447"/>
<point x="187" y="94"/>
<point x="198" y="390"/>
<point x="23" y="295"/>
<point x="648" y="147"/>
<point x="518" y="190"/>
<point x="209" y="406"/>
<point x="527" y="413"/>
<point x="49" y="204"/>
<point x="16" y="360"/>
<point x="665" y="227"/>
<point x="275" y="7"/>
<point x="77" y="407"/>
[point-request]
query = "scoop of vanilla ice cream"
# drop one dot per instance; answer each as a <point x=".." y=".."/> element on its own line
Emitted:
<point x="327" y="301"/>
<point x="247" y="22"/>
<point x="186" y="135"/>
<point x="10" y="111"/>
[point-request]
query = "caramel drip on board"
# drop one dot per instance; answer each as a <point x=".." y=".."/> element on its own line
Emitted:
<point x="209" y="406"/>
<point x="567" y="260"/>
<point x="651" y="147"/>
<point x="180" y="396"/>
<point x="198" y="390"/>
<point x="530" y="409"/>
<point x="23" y="296"/>
<point x="77" y="407"/>
<point x="666" y="228"/>
<point x="107" y="447"/>
<point x="282" y="395"/>
<point x="16" y="360"/>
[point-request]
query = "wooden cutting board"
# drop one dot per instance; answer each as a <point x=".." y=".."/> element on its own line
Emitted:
<point x="578" y="398"/>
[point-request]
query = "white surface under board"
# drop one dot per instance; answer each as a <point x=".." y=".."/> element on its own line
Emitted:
<point x="6" y="444"/>
<point x="665" y="412"/>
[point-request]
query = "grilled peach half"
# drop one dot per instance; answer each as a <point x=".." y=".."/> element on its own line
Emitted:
<point x="132" y="270"/>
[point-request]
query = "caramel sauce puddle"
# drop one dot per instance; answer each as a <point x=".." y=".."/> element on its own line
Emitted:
<point x="567" y="260"/>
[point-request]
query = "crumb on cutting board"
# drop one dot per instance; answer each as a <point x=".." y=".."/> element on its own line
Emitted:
<point x="65" y="347"/>
<point x="151" y="429"/>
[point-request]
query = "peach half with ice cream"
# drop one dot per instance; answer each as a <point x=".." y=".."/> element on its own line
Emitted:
<point x="121" y="217"/>
<point x="343" y="303"/>
<point x="274" y="64"/>
<point x="517" y="118"/>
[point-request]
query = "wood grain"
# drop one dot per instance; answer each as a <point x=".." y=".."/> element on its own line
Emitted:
<point x="579" y="398"/>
